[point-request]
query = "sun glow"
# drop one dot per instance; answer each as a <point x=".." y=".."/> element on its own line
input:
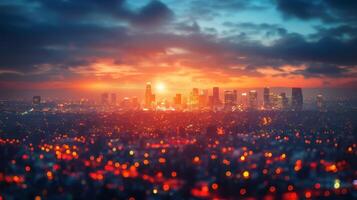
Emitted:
<point x="160" y="87"/>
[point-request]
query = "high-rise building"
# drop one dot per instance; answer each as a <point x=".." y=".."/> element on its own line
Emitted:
<point x="194" y="97"/>
<point x="203" y="98"/>
<point x="177" y="99"/>
<point x="296" y="99"/>
<point x="135" y="103"/>
<point x="244" y="101"/>
<point x="284" y="101"/>
<point x="253" y="99"/>
<point x="266" y="98"/>
<point x="320" y="103"/>
<point x="113" y="99"/>
<point x="36" y="100"/>
<point x="105" y="99"/>
<point x="229" y="99"/>
<point x="215" y="97"/>
<point x="149" y="96"/>
<point x="235" y="97"/>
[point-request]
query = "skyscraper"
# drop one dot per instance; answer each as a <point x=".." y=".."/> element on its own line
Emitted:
<point x="284" y="101"/>
<point x="244" y="100"/>
<point x="253" y="99"/>
<point x="203" y="98"/>
<point x="177" y="99"/>
<point x="149" y="96"/>
<point x="296" y="99"/>
<point x="215" y="96"/>
<point x="105" y="99"/>
<point x="229" y="99"/>
<point x="113" y="99"/>
<point x="320" y="102"/>
<point x="194" y="97"/>
<point x="235" y="97"/>
<point x="266" y="98"/>
<point x="36" y="100"/>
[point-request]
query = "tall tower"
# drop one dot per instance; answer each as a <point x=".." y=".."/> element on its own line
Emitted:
<point x="235" y="97"/>
<point x="113" y="99"/>
<point x="215" y="96"/>
<point x="253" y="99"/>
<point x="284" y="101"/>
<point x="148" y="95"/>
<point x="36" y="100"/>
<point x="105" y="99"/>
<point x="267" y="103"/>
<point x="296" y="99"/>
<point x="229" y="99"/>
<point x="194" y="97"/>
<point x="320" y="102"/>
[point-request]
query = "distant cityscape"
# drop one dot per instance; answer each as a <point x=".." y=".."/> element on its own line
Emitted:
<point x="196" y="100"/>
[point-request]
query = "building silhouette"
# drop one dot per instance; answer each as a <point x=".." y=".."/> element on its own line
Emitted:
<point x="296" y="99"/>
<point x="253" y="99"/>
<point x="266" y="98"/>
<point x="36" y="100"/>
<point x="104" y="99"/>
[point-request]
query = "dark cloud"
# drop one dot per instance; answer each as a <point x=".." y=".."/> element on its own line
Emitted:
<point x="65" y="38"/>
<point x="326" y="10"/>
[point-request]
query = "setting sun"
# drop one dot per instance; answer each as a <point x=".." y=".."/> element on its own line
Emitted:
<point x="160" y="87"/>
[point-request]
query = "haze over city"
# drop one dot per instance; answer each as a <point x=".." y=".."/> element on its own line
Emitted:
<point x="88" y="47"/>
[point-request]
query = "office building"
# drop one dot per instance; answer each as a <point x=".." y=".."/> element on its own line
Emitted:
<point x="320" y="103"/>
<point x="229" y="99"/>
<point x="105" y="99"/>
<point x="149" y="96"/>
<point x="266" y="98"/>
<point x="113" y="99"/>
<point x="284" y="101"/>
<point x="215" y="97"/>
<point x="253" y="99"/>
<point x="296" y="99"/>
<point x="36" y="100"/>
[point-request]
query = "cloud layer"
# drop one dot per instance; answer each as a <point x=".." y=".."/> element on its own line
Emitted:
<point x="124" y="42"/>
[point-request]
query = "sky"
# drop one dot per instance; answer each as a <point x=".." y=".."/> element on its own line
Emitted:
<point x="82" y="46"/>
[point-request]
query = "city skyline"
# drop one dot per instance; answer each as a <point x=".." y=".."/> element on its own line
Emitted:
<point x="178" y="99"/>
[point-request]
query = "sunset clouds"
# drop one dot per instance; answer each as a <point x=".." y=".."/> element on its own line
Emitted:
<point x="185" y="43"/>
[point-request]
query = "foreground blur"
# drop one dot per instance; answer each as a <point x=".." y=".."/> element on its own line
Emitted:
<point x="177" y="155"/>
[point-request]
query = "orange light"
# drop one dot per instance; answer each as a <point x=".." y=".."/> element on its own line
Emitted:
<point x="49" y="175"/>
<point x="196" y="159"/>
<point x="174" y="174"/>
<point x="228" y="173"/>
<point x="242" y="158"/>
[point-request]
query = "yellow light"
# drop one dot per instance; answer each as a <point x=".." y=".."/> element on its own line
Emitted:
<point x="246" y="174"/>
<point x="154" y="191"/>
<point x="160" y="87"/>
<point x="131" y="152"/>
<point x="337" y="184"/>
